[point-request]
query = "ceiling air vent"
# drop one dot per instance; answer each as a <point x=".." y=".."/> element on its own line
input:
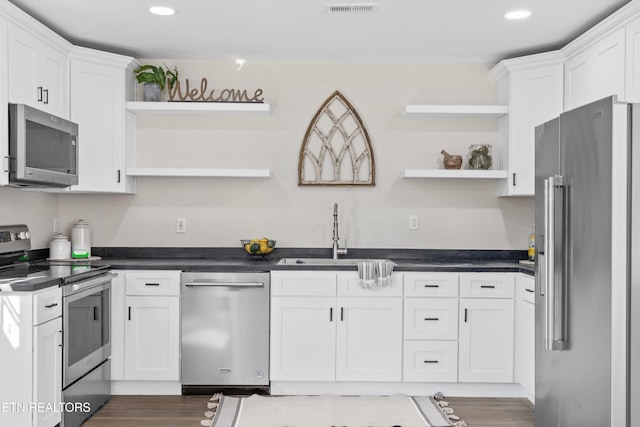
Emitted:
<point x="352" y="8"/>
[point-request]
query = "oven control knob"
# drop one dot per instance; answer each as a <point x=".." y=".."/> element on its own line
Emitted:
<point x="23" y="235"/>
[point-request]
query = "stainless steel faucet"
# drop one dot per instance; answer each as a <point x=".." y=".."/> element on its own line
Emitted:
<point x="337" y="250"/>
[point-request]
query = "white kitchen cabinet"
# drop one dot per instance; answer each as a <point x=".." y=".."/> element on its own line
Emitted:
<point x="303" y="339"/>
<point x="429" y="361"/>
<point x="38" y="69"/>
<point x="145" y="331"/>
<point x="152" y="339"/>
<point x="369" y="339"/>
<point x="31" y="357"/>
<point x="101" y="83"/>
<point x="525" y="333"/>
<point x="486" y="348"/>
<point x="632" y="71"/>
<point x="317" y="335"/>
<point x="430" y="327"/>
<point x="532" y="87"/>
<point x="47" y="372"/>
<point x="596" y="70"/>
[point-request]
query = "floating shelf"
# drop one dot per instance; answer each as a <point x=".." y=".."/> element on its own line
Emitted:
<point x="199" y="108"/>
<point x="200" y="172"/>
<point x="479" y="111"/>
<point x="454" y="173"/>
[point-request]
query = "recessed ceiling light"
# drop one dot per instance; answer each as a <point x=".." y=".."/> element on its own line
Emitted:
<point x="517" y="14"/>
<point x="162" y="10"/>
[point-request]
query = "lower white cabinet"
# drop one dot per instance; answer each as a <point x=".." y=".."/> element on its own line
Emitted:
<point x="146" y="326"/>
<point x="525" y="333"/>
<point x="431" y="327"/>
<point x="427" y="327"/>
<point x="31" y="358"/>
<point x="333" y="338"/>
<point x="369" y="339"/>
<point x="303" y="338"/>
<point x="430" y="361"/>
<point x="152" y="339"/>
<point x="486" y="340"/>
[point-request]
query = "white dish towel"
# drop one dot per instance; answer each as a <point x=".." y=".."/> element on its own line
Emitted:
<point x="375" y="273"/>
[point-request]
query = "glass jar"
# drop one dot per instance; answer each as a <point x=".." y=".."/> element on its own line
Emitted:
<point x="480" y="157"/>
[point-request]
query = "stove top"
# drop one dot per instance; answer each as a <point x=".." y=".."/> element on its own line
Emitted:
<point x="39" y="275"/>
<point x="17" y="275"/>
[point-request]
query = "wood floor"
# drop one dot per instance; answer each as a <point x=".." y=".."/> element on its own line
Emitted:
<point x="187" y="411"/>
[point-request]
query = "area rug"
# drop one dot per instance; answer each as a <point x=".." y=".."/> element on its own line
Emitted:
<point x="329" y="411"/>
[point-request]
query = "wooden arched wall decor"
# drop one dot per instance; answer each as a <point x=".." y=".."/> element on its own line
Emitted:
<point x="336" y="149"/>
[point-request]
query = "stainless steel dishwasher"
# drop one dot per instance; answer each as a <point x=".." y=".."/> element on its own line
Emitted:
<point x="225" y="331"/>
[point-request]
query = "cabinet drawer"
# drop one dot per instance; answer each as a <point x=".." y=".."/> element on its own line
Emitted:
<point x="303" y="283"/>
<point x="431" y="284"/>
<point x="430" y="361"/>
<point x="487" y="285"/>
<point x="349" y="285"/>
<point x="431" y="318"/>
<point x="152" y="282"/>
<point x="526" y="288"/>
<point x="47" y="305"/>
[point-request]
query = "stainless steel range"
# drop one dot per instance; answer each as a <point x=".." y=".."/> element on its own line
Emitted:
<point x="86" y="315"/>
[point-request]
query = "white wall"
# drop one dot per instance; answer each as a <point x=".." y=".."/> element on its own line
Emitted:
<point x="220" y="212"/>
<point x="37" y="210"/>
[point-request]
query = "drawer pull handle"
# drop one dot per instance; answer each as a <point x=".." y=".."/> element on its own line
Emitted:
<point x="152" y="284"/>
<point x="431" y="286"/>
<point x="51" y="305"/>
<point x="487" y="286"/>
<point x="431" y="318"/>
<point x="529" y="290"/>
<point x="431" y="361"/>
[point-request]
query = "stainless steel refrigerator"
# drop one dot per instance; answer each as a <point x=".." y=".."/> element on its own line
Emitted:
<point x="587" y="357"/>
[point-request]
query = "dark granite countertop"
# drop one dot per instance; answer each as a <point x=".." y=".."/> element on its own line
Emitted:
<point x="234" y="259"/>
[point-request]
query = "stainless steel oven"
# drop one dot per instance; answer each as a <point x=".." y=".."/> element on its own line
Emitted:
<point x="87" y="326"/>
<point x="87" y="347"/>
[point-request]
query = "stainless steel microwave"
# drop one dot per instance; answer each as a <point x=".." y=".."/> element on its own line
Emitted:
<point x="43" y="149"/>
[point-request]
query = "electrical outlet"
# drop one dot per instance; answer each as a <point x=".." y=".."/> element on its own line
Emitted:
<point x="414" y="222"/>
<point x="181" y="225"/>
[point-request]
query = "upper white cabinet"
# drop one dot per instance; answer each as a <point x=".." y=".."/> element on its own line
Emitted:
<point x="38" y="70"/>
<point x="532" y="88"/>
<point x="632" y="72"/>
<point x="596" y="71"/>
<point x="101" y="84"/>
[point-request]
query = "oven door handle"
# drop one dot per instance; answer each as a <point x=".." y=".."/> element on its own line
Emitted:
<point x="84" y="285"/>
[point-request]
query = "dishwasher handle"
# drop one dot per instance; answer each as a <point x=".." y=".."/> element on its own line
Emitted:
<point x="204" y="282"/>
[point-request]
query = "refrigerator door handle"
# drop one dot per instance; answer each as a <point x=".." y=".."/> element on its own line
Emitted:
<point x="554" y="332"/>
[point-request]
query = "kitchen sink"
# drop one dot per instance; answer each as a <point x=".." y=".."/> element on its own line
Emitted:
<point x="324" y="261"/>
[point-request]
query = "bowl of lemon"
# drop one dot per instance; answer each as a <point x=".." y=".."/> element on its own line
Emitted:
<point x="258" y="246"/>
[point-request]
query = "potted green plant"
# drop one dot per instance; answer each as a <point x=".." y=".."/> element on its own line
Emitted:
<point x="155" y="78"/>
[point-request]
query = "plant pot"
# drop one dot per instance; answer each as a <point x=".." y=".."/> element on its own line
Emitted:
<point x="152" y="92"/>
